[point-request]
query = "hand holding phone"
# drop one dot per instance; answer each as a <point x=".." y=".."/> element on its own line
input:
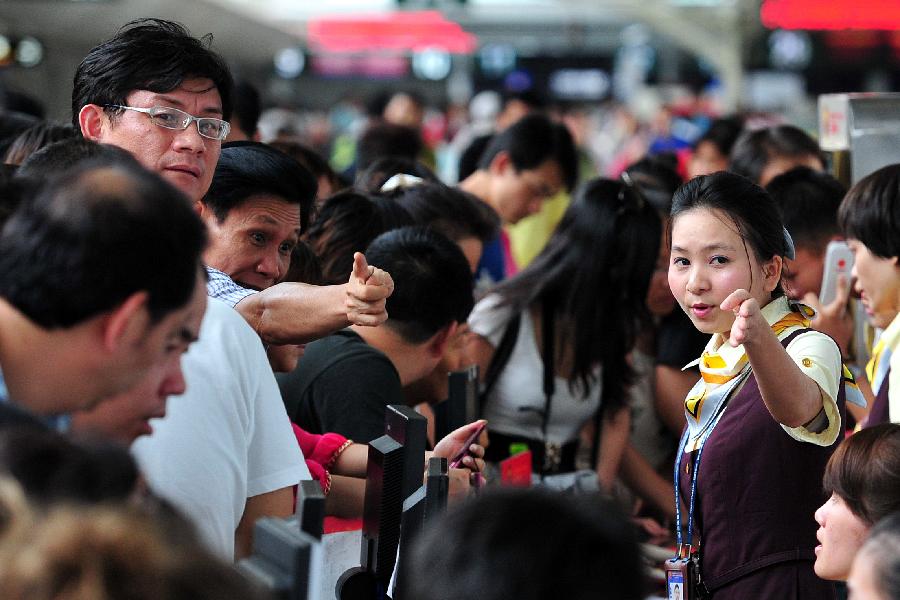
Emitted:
<point x="456" y="461"/>
<point x="838" y="262"/>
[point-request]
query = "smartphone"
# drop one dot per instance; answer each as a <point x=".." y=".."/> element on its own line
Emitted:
<point x="838" y="261"/>
<point x="457" y="460"/>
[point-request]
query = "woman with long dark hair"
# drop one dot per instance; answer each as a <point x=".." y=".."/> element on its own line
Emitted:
<point x="552" y="342"/>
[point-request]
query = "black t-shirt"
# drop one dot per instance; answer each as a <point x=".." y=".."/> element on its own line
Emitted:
<point x="341" y="385"/>
<point x="678" y="342"/>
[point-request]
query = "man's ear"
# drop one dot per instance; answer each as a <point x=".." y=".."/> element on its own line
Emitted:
<point x="90" y="119"/>
<point x="438" y="342"/>
<point x="500" y="163"/>
<point x="127" y="321"/>
<point x="202" y="209"/>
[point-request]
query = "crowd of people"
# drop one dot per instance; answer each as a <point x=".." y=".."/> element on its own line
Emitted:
<point x="192" y="321"/>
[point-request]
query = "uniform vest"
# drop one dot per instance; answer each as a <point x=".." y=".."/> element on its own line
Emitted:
<point x="757" y="492"/>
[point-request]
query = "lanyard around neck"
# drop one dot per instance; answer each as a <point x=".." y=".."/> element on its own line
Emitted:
<point x="682" y="446"/>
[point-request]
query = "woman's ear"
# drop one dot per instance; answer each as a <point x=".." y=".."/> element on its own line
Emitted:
<point x="772" y="272"/>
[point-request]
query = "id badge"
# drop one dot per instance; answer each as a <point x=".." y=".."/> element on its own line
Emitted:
<point x="677" y="579"/>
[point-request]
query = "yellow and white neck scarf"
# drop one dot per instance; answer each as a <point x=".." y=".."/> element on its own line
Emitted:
<point x="723" y="368"/>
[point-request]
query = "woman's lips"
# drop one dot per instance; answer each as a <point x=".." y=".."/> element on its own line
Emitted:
<point x="701" y="311"/>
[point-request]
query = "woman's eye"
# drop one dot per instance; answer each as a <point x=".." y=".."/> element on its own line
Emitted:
<point x="286" y="248"/>
<point x="680" y="262"/>
<point x="718" y="260"/>
<point x="258" y="238"/>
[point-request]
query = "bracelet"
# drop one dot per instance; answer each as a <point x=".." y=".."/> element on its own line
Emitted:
<point x="337" y="453"/>
<point x="327" y="487"/>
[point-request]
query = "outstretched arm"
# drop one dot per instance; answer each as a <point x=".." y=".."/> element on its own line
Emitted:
<point x="792" y="398"/>
<point x="296" y="313"/>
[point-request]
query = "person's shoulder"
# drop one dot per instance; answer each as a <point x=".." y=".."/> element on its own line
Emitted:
<point x="221" y="319"/>
<point x="344" y="347"/>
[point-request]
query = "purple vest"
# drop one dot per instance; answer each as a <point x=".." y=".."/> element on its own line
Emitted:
<point x="757" y="491"/>
<point x="880" y="412"/>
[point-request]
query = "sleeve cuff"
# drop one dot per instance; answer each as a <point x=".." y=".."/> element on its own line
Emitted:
<point x="823" y="438"/>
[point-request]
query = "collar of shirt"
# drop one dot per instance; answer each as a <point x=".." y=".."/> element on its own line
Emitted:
<point x="772" y="312"/>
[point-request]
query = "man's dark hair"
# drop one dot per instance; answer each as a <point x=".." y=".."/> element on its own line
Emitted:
<point x="387" y="139"/>
<point x="753" y="150"/>
<point x="58" y="157"/>
<point x="432" y="281"/>
<point x="870" y="212"/>
<point x="450" y="211"/>
<point x="722" y="133"/>
<point x="530" y="98"/>
<point x="809" y="201"/>
<point x="532" y="141"/>
<point x="314" y="162"/>
<point x="91" y="238"/>
<point x="52" y="468"/>
<point x="247" y="107"/>
<point x="527" y="544"/>
<point x="247" y="169"/>
<point x="34" y="138"/>
<point x="882" y="551"/>
<point x="147" y="54"/>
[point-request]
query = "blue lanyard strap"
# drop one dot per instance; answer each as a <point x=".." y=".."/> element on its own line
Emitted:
<point x="682" y="445"/>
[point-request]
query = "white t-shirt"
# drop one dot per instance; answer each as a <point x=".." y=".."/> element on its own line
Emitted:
<point x="228" y="438"/>
<point x="517" y="401"/>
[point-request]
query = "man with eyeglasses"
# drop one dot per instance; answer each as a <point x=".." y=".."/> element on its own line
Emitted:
<point x="164" y="96"/>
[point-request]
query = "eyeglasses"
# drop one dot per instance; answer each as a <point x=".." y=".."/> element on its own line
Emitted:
<point x="172" y="118"/>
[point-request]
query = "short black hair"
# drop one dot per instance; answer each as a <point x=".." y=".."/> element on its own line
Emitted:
<point x="809" y="201"/>
<point x="432" y="281"/>
<point x="147" y="54"/>
<point x="387" y="139"/>
<point x="246" y="169"/>
<point x="247" y="107"/>
<point x="94" y="236"/>
<point x="54" y="159"/>
<point x="870" y="212"/>
<point x="530" y="98"/>
<point x="314" y="162"/>
<point x="527" y="544"/>
<point x="347" y="223"/>
<point x="36" y="137"/>
<point x="753" y="150"/>
<point x="53" y="468"/>
<point x="530" y="142"/>
<point x="882" y="551"/>
<point x="450" y="211"/>
<point x="722" y="133"/>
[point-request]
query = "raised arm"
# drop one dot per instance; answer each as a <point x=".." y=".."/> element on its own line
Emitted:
<point x="296" y="313"/>
<point x="792" y="398"/>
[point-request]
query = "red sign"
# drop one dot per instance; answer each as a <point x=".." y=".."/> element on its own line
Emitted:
<point x="409" y="31"/>
<point x="830" y="14"/>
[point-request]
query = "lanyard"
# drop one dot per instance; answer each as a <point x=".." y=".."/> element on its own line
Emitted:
<point x="682" y="445"/>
